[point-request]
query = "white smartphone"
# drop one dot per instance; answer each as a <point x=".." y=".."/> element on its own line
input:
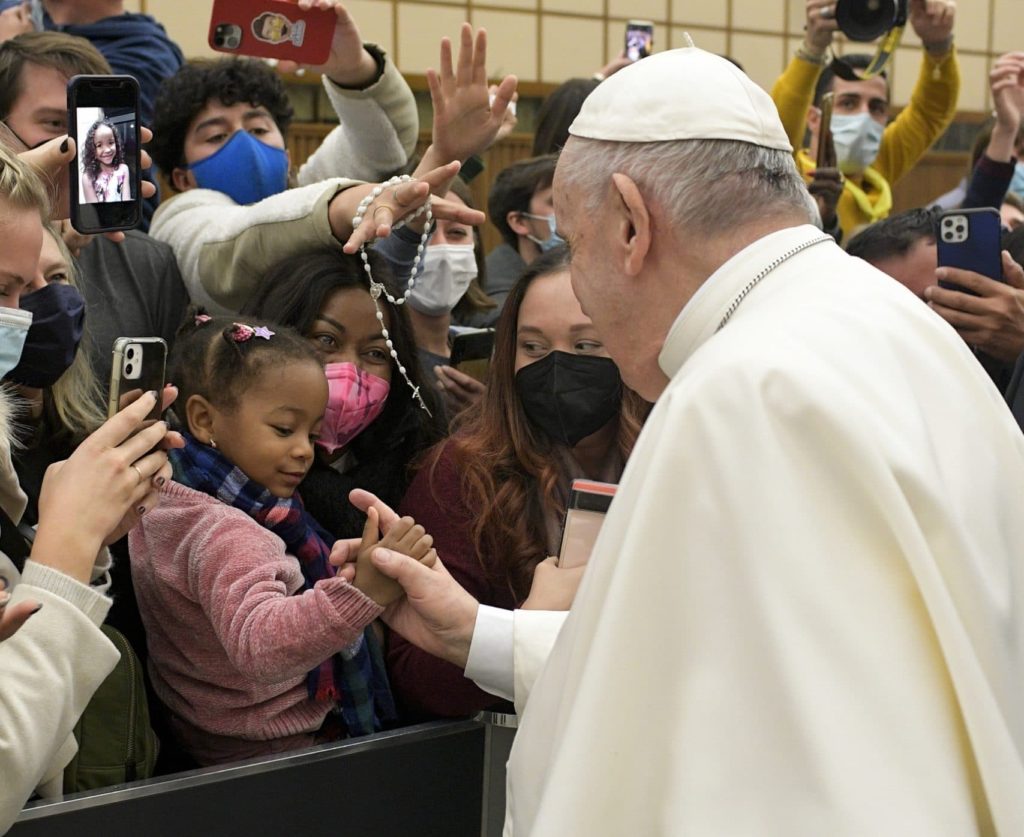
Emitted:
<point x="140" y="365"/>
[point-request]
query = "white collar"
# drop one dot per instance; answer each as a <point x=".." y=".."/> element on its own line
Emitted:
<point x="702" y="315"/>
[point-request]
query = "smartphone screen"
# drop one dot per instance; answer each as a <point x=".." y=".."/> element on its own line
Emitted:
<point x="639" y="39"/>
<point x="103" y="113"/>
<point x="139" y="367"/>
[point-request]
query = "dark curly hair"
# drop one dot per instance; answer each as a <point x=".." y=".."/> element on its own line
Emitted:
<point x="227" y="80"/>
<point x="210" y="359"/>
<point x="90" y="162"/>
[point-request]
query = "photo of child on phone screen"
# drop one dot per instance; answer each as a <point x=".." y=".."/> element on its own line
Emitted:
<point x="106" y="138"/>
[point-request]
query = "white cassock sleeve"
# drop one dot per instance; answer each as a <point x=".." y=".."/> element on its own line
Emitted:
<point x="750" y="651"/>
<point x="509" y="648"/>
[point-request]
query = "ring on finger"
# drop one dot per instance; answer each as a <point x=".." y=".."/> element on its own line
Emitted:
<point x="826" y="13"/>
<point x="398" y="200"/>
<point x="137" y="471"/>
<point x="379" y="208"/>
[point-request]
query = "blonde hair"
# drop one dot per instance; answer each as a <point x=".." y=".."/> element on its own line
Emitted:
<point x="74" y="400"/>
<point x="21" y="186"/>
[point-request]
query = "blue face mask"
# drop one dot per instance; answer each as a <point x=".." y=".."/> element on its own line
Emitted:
<point x="553" y="240"/>
<point x="14" y="323"/>
<point x="1017" y="183"/>
<point x="244" y="169"/>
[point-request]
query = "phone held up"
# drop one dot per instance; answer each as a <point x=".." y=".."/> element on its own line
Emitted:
<point x="970" y="239"/>
<point x="471" y="352"/>
<point x="272" y="29"/>
<point x="589" y="502"/>
<point x="639" y="39"/>
<point x="826" y="157"/>
<point x="103" y="117"/>
<point x="139" y="367"/>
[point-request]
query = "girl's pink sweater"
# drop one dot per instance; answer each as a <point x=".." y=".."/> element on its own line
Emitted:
<point x="229" y="643"/>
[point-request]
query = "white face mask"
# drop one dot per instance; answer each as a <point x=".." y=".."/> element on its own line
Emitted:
<point x="447" y="271"/>
<point x="857" y="138"/>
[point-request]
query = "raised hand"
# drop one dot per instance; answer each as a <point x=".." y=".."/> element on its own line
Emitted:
<point x="392" y="204"/>
<point x="349" y="64"/>
<point x="821" y="25"/>
<point x="466" y="122"/>
<point x="1006" y="80"/>
<point x="932" y="20"/>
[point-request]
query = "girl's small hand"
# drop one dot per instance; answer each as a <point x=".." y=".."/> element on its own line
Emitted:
<point x="369" y="580"/>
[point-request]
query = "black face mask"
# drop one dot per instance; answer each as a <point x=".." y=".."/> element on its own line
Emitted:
<point x="58" y="316"/>
<point x="568" y="397"/>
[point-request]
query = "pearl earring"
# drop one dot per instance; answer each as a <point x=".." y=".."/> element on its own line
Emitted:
<point x="213" y="444"/>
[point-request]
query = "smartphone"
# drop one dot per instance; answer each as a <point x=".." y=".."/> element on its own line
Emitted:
<point x="826" y="157"/>
<point x="103" y="113"/>
<point x="639" y="39"/>
<point x="272" y="29"/>
<point x="588" y="504"/>
<point x="970" y="239"/>
<point x="139" y="367"/>
<point x="471" y="352"/>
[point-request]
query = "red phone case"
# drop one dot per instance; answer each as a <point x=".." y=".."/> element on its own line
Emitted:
<point x="272" y="29"/>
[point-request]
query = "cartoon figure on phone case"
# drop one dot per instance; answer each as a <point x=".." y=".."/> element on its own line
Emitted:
<point x="106" y="176"/>
<point x="275" y="28"/>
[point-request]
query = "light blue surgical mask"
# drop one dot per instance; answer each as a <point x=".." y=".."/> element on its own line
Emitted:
<point x="553" y="240"/>
<point x="244" y="169"/>
<point x="14" y="323"/>
<point x="1017" y="183"/>
<point x="857" y="138"/>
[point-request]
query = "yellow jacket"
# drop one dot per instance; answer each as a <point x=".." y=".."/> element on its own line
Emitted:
<point x="905" y="141"/>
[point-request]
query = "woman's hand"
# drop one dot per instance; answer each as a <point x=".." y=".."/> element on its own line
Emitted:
<point x="12" y="618"/>
<point x="111" y="480"/>
<point x="460" y="389"/>
<point x="553" y="587"/>
<point x="51" y="161"/>
<point x="393" y="204"/>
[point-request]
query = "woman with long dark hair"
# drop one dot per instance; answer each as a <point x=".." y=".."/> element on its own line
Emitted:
<point x="375" y="426"/>
<point x="493" y="496"/>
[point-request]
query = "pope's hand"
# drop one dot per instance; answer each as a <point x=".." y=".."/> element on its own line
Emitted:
<point x="436" y="613"/>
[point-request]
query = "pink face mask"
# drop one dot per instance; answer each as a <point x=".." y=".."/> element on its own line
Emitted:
<point x="355" y="399"/>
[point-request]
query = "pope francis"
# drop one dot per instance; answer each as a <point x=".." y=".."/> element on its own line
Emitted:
<point x="803" y="615"/>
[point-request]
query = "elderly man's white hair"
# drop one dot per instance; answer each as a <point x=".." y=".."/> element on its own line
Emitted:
<point x="706" y="187"/>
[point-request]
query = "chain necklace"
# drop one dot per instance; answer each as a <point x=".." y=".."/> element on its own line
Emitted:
<point x="764" y="272"/>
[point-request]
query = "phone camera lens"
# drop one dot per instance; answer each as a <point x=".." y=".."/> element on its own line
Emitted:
<point x="130" y="353"/>
<point x="960" y="229"/>
<point x="128" y="369"/>
<point x="218" y="40"/>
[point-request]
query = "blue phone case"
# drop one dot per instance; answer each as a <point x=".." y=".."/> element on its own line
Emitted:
<point x="970" y="239"/>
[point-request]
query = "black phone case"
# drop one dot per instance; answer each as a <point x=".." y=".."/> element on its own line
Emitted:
<point x="93" y="218"/>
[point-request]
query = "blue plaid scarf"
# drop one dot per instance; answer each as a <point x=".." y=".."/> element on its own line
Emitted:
<point x="355" y="678"/>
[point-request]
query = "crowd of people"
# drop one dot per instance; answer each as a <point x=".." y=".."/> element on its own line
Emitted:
<point x="803" y="610"/>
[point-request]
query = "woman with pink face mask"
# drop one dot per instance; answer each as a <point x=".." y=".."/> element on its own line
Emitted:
<point x="373" y="427"/>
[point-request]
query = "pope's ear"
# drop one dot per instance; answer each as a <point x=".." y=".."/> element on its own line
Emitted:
<point x="632" y="227"/>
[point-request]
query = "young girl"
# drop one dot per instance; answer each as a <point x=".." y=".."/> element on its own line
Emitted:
<point x="105" y="172"/>
<point x="325" y="296"/>
<point x="255" y="645"/>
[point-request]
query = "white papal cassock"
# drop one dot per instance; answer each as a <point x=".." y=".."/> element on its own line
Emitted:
<point x="803" y="614"/>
